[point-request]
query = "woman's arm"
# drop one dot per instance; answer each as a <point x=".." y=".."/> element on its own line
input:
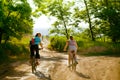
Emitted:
<point x="41" y="45"/>
<point x="76" y="45"/>
<point x="66" y="45"/>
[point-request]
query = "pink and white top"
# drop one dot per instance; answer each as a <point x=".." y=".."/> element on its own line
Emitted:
<point x="72" y="45"/>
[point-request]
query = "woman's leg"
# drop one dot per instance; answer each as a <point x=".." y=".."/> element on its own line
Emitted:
<point x="37" y="52"/>
<point x="68" y="58"/>
<point x="75" y="57"/>
<point x="37" y="56"/>
<point x="32" y="51"/>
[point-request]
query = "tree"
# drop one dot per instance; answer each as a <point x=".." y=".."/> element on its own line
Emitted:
<point x="103" y="15"/>
<point x="109" y="12"/>
<point x="58" y="9"/>
<point x="61" y="11"/>
<point x="89" y="20"/>
<point x="83" y="14"/>
<point x="15" y="19"/>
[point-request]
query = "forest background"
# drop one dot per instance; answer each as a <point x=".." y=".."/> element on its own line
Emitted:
<point x="101" y="37"/>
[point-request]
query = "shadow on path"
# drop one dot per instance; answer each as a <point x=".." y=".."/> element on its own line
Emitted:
<point x="8" y="72"/>
<point x="52" y="58"/>
<point x="42" y="76"/>
<point x="82" y="75"/>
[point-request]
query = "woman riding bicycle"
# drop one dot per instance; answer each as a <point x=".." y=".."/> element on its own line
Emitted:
<point x="72" y="49"/>
<point x="35" y="47"/>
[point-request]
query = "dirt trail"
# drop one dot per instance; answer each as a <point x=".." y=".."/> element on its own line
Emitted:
<point x="53" y="66"/>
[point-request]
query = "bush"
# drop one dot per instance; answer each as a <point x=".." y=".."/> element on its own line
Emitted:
<point x="14" y="50"/>
<point x="88" y="47"/>
<point x="102" y="49"/>
<point x="57" y="43"/>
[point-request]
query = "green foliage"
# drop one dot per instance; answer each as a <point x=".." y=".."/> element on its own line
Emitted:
<point x="113" y="17"/>
<point x="100" y="49"/>
<point x="57" y="43"/>
<point x="104" y="15"/>
<point x="15" y="50"/>
<point x="104" y="53"/>
<point x="59" y="9"/>
<point x="107" y="13"/>
<point x="15" y="19"/>
<point x="86" y="47"/>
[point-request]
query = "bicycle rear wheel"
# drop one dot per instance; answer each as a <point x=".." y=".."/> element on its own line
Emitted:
<point x="34" y="66"/>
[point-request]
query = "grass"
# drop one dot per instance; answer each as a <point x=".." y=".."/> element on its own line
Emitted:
<point x="101" y="49"/>
<point x="15" y="50"/>
<point x="88" y="48"/>
<point x="19" y="49"/>
<point x="104" y="53"/>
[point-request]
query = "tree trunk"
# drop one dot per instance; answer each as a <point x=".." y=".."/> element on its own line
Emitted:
<point x="106" y="3"/>
<point x="90" y="25"/>
<point x="66" y="31"/>
<point x="6" y="39"/>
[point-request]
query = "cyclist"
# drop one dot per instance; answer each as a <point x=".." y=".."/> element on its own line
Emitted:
<point x="35" y="47"/>
<point x="72" y="49"/>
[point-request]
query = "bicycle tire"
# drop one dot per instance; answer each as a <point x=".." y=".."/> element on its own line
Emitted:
<point x="34" y="66"/>
<point x="73" y="64"/>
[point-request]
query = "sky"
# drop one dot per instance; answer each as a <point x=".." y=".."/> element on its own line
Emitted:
<point x="42" y="25"/>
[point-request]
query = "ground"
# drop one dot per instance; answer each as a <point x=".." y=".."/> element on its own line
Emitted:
<point x="53" y="66"/>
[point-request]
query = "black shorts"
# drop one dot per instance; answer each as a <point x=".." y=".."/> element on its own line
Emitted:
<point x="34" y="51"/>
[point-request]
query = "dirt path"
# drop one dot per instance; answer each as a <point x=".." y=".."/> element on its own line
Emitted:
<point x="53" y="66"/>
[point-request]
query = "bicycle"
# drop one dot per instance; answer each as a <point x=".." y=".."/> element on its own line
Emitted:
<point x="34" y="63"/>
<point x="73" y="63"/>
